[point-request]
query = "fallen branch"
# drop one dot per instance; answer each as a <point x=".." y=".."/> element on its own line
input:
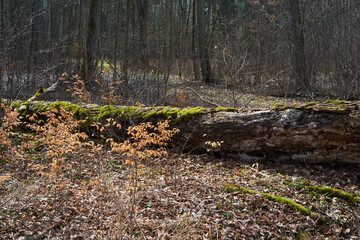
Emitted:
<point x="204" y="100"/>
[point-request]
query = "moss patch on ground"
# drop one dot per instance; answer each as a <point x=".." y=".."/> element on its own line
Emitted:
<point x="330" y="191"/>
<point x="303" y="210"/>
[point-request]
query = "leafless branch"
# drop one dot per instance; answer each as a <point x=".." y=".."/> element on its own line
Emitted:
<point x="202" y="99"/>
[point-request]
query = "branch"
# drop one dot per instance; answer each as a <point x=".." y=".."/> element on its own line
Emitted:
<point x="357" y="218"/>
<point x="204" y="100"/>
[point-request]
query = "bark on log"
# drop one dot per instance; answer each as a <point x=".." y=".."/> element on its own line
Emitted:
<point x="292" y="135"/>
<point x="312" y="133"/>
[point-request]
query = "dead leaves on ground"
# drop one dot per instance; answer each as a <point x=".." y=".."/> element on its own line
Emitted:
<point x="93" y="204"/>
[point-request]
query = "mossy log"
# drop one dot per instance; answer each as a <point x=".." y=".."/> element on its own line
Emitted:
<point x="312" y="133"/>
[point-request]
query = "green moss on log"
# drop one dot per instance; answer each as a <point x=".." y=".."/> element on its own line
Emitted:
<point x="340" y="109"/>
<point x="37" y="95"/>
<point x="165" y="112"/>
<point x="188" y="114"/>
<point x="276" y="107"/>
<point x="147" y="114"/>
<point x="110" y="111"/>
<point x="15" y="104"/>
<point x="224" y="109"/>
<point x="342" y="102"/>
<point x="78" y="112"/>
<point x="182" y="115"/>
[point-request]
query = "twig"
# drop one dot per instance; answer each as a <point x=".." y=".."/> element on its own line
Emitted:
<point x="357" y="218"/>
<point x="13" y="197"/>
<point x="204" y="100"/>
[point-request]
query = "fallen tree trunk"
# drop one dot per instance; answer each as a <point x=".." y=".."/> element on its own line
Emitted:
<point x="312" y="133"/>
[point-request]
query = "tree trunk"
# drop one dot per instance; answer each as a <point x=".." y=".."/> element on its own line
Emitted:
<point x="32" y="64"/>
<point x="299" y="44"/>
<point x="203" y="49"/>
<point x="91" y="43"/>
<point x="2" y="28"/>
<point x="194" y="44"/>
<point x="310" y="133"/>
<point x="143" y="8"/>
<point x="169" y="43"/>
<point x="126" y="48"/>
<point x="116" y="26"/>
<point x="303" y="135"/>
<point x="2" y="42"/>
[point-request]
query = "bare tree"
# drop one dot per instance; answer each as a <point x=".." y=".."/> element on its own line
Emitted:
<point x="143" y="8"/>
<point x="194" y="43"/>
<point x="299" y="44"/>
<point x="91" y="44"/>
<point x="206" y="72"/>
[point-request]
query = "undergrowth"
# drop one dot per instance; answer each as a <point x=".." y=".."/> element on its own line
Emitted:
<point x="44" y="142"/>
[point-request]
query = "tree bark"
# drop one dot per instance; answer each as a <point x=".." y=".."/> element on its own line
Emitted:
<point x="2" y="41"/>
<point x="125" y="68"/>
<point x="184" y="14"/>
<point x="203" y="49"/>
<point x="290" y="136"/>
<point x="116" y="26"/>
<point x="89" y="58"/>
<point x="169" y="43"/>
<point x="2" y="28"/>
<point x="32" y="64"/>
<point x="143" y="8"/>
<point x="299" y="44"/>
<point x="194" y="44"/>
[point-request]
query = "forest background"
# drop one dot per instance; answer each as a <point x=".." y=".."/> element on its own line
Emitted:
<point x="268" y="47"/>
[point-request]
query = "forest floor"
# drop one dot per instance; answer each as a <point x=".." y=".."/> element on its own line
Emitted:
<point x="184" y="196"/>
<point x="256" y="98"/>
